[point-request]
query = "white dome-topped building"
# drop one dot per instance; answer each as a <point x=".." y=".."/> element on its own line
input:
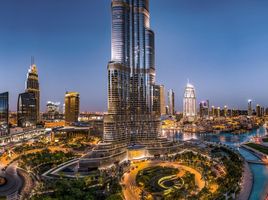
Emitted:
<point x="189" y="103"/>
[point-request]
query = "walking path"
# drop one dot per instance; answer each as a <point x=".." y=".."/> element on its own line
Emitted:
<point x="247" y="183"/>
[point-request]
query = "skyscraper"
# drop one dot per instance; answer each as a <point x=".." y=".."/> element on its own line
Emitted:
<point x="4" y="111"/>
<point x="258" y="110"/>
<point x="72" y="105"/>
<point x="133" y="121"/>
<point x="189" y="103"/>
<point x="204" y="109"/>
<point x="131" y="76"/>
<point x="171" y="102"/>
<point x="32" y="86"/>
<point x="249" y="107"/>
<point x="162" y="100"/>
<point x="225" y="111"/>
<point x="27" y="110"/>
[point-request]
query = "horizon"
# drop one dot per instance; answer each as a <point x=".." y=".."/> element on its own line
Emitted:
<point x="226" y="34"/>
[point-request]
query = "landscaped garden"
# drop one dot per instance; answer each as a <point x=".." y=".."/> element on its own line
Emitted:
<point x="44" y="160"/>
<point x="149" y="178"/>
<point x="70" y="189"/>
<point x="258" y="147"/>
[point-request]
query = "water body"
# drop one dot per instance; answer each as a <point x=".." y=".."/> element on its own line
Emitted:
<point x="260" y="172"/>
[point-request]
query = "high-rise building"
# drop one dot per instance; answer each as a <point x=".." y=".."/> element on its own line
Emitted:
<point x="162" y="100"/>
<point x="52" y="111"/>
<point x="131" y="75"/>
<point x="132" y="125"/>
<point x="27" y="110"/>
<point x="189" y="103"/>
<point x="213" y="112"/>
<point x="204" y="109"/>
<point x="32" y="86"/>
<point x="218" y="112"/>
<point x="225" y="111"/>
<point x="171" y="102"/>
<point x="258" y="110"/>
<point x="262" y="111"/>
<point x="249" y="107"/>
<point x="4" y="113"/>
<point x="72" y="105"/>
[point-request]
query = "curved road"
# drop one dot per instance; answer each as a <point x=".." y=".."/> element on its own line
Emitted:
<point x="132" y="191"/>
<point x="14" y="182"/>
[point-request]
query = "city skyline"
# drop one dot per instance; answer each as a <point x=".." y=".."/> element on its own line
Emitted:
<point x="239" y="74"/>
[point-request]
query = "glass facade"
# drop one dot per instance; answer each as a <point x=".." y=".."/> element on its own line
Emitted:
<point x="4" y="111"/>
<point x="133" y="97"/>
<point x="72" y="104"/>
<point x="27" y="109"/>
<point x="171" y="102"/>
<point x="32" y="86"/>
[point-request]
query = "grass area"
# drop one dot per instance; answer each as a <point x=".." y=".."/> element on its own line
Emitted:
<point x="265" y="139"/>
<point x="260" y="148"/>
<point x="80" y="189"/>
<point x="44" y="157"/>
<point x="148" y="177"/>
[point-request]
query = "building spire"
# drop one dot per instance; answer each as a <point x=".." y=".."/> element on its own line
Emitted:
<point x="32" y="60"/>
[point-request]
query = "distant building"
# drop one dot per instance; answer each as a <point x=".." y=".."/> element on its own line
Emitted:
<point x="4" y="114"/>
<point x="204" y="109"/>
<point x="162" y="100"/>
<point x="32" y="86"/>
<point x="189" y="103"/>
<point x="27" y="110"/>
<point x="171" y="102"/>
<point x="72" y="105"/>
<point x="225" y="111"/>
<point x="250" y="111"/>
<point x="258" y="110"/>
<point x="212" y="112"/>
<point x="156" y="100"/>
<point x="218" y="112"/>
<point x="262" y="111"/>
<point x="52" y="111"/>
<point x="167" y="110"/>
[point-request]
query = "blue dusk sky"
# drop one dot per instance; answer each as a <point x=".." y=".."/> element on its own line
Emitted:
<point x="221" y="46"/>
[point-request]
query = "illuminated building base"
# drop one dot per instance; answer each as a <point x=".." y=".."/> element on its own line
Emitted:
<point x="107" y="154"/>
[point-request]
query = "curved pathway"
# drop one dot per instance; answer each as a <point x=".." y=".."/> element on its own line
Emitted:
<point x="14" y="182"/>
<point x="132" y="191"/>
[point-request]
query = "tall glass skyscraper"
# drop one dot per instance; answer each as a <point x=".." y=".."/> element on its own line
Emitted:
<point x="27" y="110"/>
<point x="133" y="97"/>
<point x="131" y="76"/>
<point x="4" y="111"/>
<point x="32" y="86"/>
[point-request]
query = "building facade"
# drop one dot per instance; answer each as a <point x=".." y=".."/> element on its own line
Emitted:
<point x="189" y="103"/>
<point x="171" y="102"/>
<point x="131" y="76"/>
<point x="27" y="110"/>
<point x="4" y="114"/>
<point x="32" y="86"/>
<point x="162" y="100"/>
<point x="204" y="109"/>
<point x="72" y="106"/>
<point x="250" y="111"/>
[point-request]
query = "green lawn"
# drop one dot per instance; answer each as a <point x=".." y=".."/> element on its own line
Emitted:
<point x="149" y="176"/>
<point x="265" y="139"/>
<point x="259" y="147"/>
